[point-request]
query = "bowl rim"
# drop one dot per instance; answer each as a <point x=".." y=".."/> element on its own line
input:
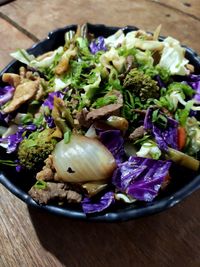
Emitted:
<point x="121" y="215"/>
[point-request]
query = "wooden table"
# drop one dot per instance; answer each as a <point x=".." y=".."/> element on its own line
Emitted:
<point x="30" y="238"/>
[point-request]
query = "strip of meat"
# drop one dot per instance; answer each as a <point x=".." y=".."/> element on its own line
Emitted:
<point x="85" y="118"/>
<point x="12" y="79"/>
<point x="137" y="133"/>
<point x="112" y="109"/>
<point x="23" y="93"/>
<point x="54" y="191"/>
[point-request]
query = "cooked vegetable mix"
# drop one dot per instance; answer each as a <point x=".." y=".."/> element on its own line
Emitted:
<point x="102" y="120"/>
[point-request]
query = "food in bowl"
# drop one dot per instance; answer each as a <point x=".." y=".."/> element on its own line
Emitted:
<point x="102" y="120"/>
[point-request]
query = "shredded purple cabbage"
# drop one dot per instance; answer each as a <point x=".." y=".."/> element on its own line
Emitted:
<point x="6" y="117"/>
<point x="161" y="84"/>
<point x="50" y="99"/>
<point x="113" y="140"/>
<point x="89" y="206"/>
<point x="50" y="121"/>
<point x="164" y="136"/>
<point x="194" y="81"/>
<point x="49" y="102"/>
<point x="13" y="140"/>
<point x="6" y="93"/>
<point x="141" y="178"/>
<point x="98" y="45"/>
<point x="18" y="168"/>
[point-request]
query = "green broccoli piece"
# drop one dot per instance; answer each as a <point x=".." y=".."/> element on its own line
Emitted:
<point x="141" y="85"/>
<point x="34" y="149"/>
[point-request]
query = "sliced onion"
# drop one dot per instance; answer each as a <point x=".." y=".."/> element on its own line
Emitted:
<point x="83" y="159"/>
<point x="91" y="132"/>
<point x="95" y="187"/>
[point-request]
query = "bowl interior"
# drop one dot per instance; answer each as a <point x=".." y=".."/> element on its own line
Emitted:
<point x="19" y="183"/>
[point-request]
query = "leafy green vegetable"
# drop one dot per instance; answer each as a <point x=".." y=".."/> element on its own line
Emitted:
<point x="103" y="101"/>
<point x="182" y="88"/>
<point x="159" y="118"/>
<point x="182" y="115"/>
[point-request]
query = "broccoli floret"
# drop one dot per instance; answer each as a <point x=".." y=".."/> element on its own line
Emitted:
<point x="34" y="149"/>
<point x="141" y="85"/>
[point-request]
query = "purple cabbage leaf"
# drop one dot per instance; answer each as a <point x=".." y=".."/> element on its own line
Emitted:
<point x="98" y="45"/>
<point x="12" y="141"/>
<point x="194" y="81"/>
<point x="141" y="178"/>
<point x="6" y="93"/>
<point x="160" y="82"/>
<point x="91" y="206"/>
<point x="113" y="140"/>
<point x="50" y="99"/>
<point x="48" y="105"/>
<point x="163" y="128"/>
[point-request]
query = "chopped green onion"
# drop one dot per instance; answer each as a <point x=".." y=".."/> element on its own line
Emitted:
<point x="40" y="184"/>
<point x="67" y="136"/>
<point x="8" y="162"/>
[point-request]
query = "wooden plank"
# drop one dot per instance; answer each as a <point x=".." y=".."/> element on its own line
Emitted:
<point x="191" y="7"/>
<point x="11" y="39"/>
<point x="29" y="237"/>
<point x="19" y="244"/>
<point x="39" y="17"/>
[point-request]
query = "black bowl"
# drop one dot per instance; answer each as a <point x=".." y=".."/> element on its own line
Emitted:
<point x="186" y="182"/>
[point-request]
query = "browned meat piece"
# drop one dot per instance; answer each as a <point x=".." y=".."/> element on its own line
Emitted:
<point x="137" y="133"/>
<point x="49" y="162"/>
<point x="46" y="174"/>
<point x="28" y="75"/>
<point x="54" y="191"/>
<point x="73" y="197"/>
<point x="48" y="171"/>
<point x="12" y="79"/>
<point x="86" y="118"/>
<point x="23" y="93"/>
<point x="112" y="109"/>
<point x="82" y="118"/>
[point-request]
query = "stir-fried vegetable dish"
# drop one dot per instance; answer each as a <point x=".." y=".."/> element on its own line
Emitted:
<point x="102" y="120"/>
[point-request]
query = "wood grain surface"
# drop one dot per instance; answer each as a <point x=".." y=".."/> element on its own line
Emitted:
<point x="10" y="40"/>
<point x="190" y="7"/>
<point x="39" y="16"/>
<point x="31" y="238"/>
